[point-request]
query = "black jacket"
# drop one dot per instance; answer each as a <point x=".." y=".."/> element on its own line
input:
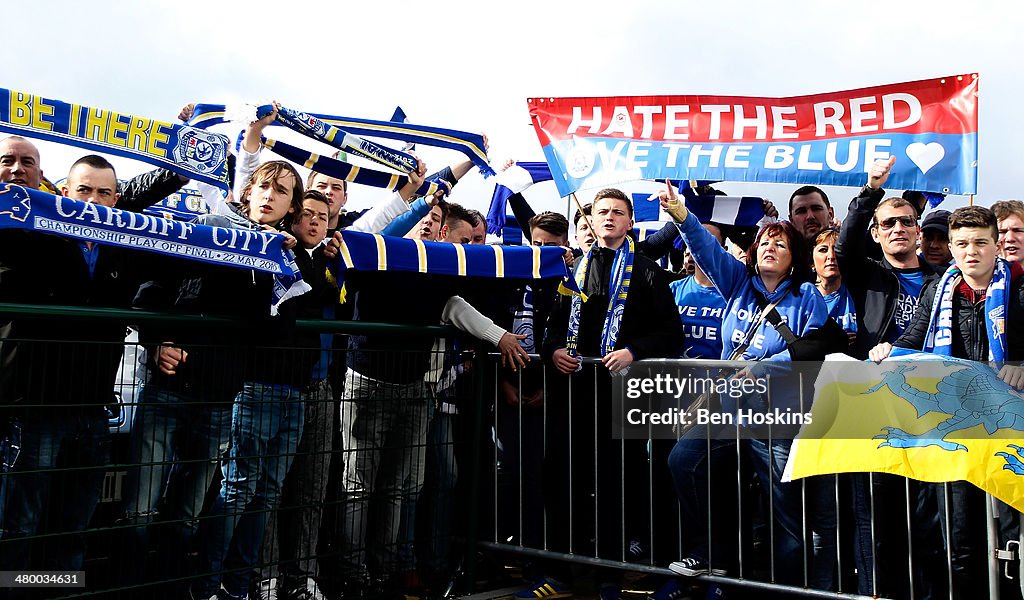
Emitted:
<point x="56" y="360"/>
<point x="145" y="190"/>
<point x="398" y="298"/>
<point x="60" y="360"/>
<point x="267" y="349"/>
<point x="650" y="323"/>
<point x="970" y="340"/>
<point x="872" y="283"/>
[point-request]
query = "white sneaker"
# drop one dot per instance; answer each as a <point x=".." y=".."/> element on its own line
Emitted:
<point x="267" y="589"/>
<point x="694" y="567"/>
<point x="310" y="592"/>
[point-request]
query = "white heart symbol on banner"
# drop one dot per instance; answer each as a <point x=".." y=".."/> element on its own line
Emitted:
<point x="925" y="156"/>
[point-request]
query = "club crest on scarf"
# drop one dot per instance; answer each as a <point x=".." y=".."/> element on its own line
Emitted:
<point x="86" y="221"/>
<point x="201" y="150"/>
<point x="187" y="151"/>
<point x="316" y="126"/>
<point x="15" y="203"/>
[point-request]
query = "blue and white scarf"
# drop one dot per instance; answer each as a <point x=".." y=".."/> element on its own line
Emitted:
<point x="618" y="290"/>
<point x="939" y="338"/>
<point x="188" y="151"/>
<point x="32" y="210"/>
<point x="469" y="144"/>
<point x="372" y="252"/>
<point x="351" y="173"/>
<point x="317" y="129"/>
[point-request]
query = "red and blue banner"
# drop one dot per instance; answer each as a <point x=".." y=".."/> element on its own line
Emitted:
<point x="931" y="126"/>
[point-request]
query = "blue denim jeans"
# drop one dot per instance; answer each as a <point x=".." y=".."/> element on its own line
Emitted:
<point x="768" y="459"/>
<point x="384" y="432"/>
<point x="884" y="566"/>
<point x="289" y="545"/>
<point x="176" y="444"/>
<point x="823" y="522"/>
<point x="697" y="463"/>
<point x="266" y="424"/>
<point x="77" y="442"/>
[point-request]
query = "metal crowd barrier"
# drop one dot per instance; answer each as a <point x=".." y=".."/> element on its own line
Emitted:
<point x="523" y="466"/>
<point x="156" y="553"/>
<point x="647" y="523"/>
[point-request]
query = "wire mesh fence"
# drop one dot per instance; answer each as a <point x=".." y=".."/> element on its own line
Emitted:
<point x="205" y="466"/>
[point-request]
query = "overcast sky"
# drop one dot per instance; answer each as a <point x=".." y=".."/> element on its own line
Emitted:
<point x="472" y="65"/>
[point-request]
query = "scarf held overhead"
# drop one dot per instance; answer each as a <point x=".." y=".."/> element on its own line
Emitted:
<point x="188" y="151"/>
<point x="317" y="129"/>
<point x="348" y="172"/>
<point x="469" y="144"/>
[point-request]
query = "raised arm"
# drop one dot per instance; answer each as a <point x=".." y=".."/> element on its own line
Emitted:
<point x="145" y="190"/>
<point x="851" y="247"/>
<point x="523" y="213"/>
<point x="722" y="268"/>
<point x="249" y="152"/>
<point x="407" y="220"/>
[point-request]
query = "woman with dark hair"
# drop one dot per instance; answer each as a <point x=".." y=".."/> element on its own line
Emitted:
<point x="775" y="276"/>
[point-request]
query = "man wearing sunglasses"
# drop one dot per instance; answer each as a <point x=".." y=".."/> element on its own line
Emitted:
<point x="885" y="291"/>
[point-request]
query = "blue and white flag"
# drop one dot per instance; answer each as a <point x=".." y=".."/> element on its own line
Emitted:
<point x="646" y="207"/>
<point x="727" y="210"/>
<point x="644" y="229"/>
<point x="513" y="180"/>
<point x="401" y="117"/>
<point x="32" y="210"/>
